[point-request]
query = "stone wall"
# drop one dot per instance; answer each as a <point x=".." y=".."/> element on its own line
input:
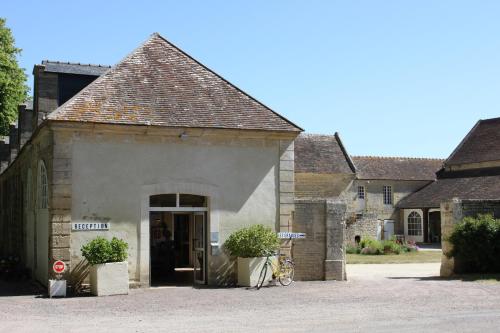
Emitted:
<point x="315" y="185"/>
<point x="321" y="255"/>
<point x="452" y="212"/>
<point x="367" y="226"/>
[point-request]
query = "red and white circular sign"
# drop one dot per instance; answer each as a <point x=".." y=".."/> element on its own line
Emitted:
<point x="59" y="266"/>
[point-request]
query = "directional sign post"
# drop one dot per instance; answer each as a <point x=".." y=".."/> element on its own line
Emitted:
<point x="291" y="235"/>
<point x="57" y="288"/>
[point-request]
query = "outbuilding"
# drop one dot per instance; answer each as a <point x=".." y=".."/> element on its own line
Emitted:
<point x="159" y="151"/>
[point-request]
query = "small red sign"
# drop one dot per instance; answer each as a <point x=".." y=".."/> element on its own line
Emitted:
<point x="59" y="266"/>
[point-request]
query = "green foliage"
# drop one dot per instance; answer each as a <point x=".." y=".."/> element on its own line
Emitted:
<point x="352" y="249"/>
<point x="101" y="250"/>
<point x="371" y="246"/>
<point x="13" y="89"/>
<point x="476" y="244"/>
<point x="254" y="241"/>
<point x="391" y="246"/>
<point x="375" y="247"/>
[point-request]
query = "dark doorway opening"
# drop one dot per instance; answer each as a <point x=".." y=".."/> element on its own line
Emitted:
<point x="175" y="250"/>
<point x="435" y="227"/>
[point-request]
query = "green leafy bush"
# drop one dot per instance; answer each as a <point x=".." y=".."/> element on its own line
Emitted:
<point x="391" y="247"/>
<point x="254" y="241"/>
<point x="371" y="246"/>
<point x="352" y="249"/>
<point x="101" y="250"/>
<point x="476" y="244"/>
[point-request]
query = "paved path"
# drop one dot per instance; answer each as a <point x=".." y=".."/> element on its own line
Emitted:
<point x="392" y="271"/>
<point x="392" y="299"/>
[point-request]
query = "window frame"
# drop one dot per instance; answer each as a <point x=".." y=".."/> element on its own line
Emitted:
<point x="361" y="192"/>
<point x="388" y="195"/>
<point x="414" y="224"/>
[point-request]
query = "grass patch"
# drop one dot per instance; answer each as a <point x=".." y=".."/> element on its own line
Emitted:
<point x="403" y="258"/>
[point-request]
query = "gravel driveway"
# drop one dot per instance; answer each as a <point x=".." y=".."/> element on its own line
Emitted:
<point x="406" y="298"/>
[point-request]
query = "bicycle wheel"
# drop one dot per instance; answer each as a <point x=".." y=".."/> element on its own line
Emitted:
<point x="287" y="271"/>
<point x="262" y="276"/>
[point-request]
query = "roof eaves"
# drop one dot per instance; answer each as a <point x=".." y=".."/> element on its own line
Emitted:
<point x="344" y="151"/>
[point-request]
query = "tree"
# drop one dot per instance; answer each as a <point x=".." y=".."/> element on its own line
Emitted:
<point x="13" y="88"/>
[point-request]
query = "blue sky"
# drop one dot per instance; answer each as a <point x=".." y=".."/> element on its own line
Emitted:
<point x="394" y="78"/>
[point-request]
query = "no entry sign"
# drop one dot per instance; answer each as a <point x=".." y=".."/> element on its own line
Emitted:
<point x="59" y="266"/>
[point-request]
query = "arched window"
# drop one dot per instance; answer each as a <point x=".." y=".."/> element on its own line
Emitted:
<point x="43" y="191"/>
<point x="414" y="224"/>
<point x="29" y="190"/>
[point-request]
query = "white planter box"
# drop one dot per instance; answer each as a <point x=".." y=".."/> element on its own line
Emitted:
<point x="57" y="288"/>
<point x="109" y="279"/>
<point x="249" y="271"/>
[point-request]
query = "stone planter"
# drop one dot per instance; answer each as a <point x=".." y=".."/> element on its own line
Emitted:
<point x="249" y="271"/>
<point x="109" y="279"/>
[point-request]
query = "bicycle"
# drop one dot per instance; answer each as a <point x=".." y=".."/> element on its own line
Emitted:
<point x="283" y="270"/>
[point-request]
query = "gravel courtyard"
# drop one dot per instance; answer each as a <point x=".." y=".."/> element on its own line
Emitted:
<point x="375" y="299"/>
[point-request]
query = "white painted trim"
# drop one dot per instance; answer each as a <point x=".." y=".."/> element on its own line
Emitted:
<point x="213" y="216"/>
<point x="407" y="212"/>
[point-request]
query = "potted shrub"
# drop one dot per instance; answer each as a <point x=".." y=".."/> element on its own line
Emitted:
<point x="109" y="268"/>
<point x="252" y="245"/>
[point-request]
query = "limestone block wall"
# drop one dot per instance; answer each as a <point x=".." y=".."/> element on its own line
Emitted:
<point x="452" y="212"/>
<point x="321" y="255"/>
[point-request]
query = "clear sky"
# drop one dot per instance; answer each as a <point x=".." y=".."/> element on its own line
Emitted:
<point x="394" y="78"/>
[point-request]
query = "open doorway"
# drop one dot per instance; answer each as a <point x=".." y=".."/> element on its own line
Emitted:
<point x="435" y="227"/>
<point x="177" y="240"/>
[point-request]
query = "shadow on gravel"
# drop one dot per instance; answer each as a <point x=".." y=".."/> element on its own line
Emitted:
<point x="464" y="277"/>
<point x="20" y="288"/>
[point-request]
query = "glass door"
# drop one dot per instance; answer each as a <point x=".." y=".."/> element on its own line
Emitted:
<point x="199" y="236"/>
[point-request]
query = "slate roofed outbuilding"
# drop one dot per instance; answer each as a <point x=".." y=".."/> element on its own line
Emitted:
<point x="160" y="85"/>
<point x="480" y="145"/>
<point x="321" y="154"/>
<point x="74" y="68"/>
<point x="431" y="196"/>
<point x="396" y="168"/>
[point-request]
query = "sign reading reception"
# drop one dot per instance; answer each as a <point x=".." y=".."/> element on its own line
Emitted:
<point x="87" y="226"/>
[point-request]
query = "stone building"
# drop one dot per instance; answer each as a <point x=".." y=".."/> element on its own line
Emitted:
<point x="380" y="184"/>
<point x="471" y="172"/>
<point x="371" y="186"/>
<point x="158" y="150"/>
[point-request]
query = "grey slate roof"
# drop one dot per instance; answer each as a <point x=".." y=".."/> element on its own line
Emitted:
<point x="482" y="144"/>
<point x="448" y="188"/>
<point x="396" y="168"/>
<point x="321" y="154"/>
<point x="160" y="85"/>
<point x="74" y="68"/>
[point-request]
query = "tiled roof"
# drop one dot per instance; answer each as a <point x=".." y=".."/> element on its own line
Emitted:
<point x="448" y="188"/>
<point x="482" y="144"/>
<point x="160" y="85"/>
<point x="321" y="154"/>
<point x="74" y="68"/>
<point x="396" y="168"/>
